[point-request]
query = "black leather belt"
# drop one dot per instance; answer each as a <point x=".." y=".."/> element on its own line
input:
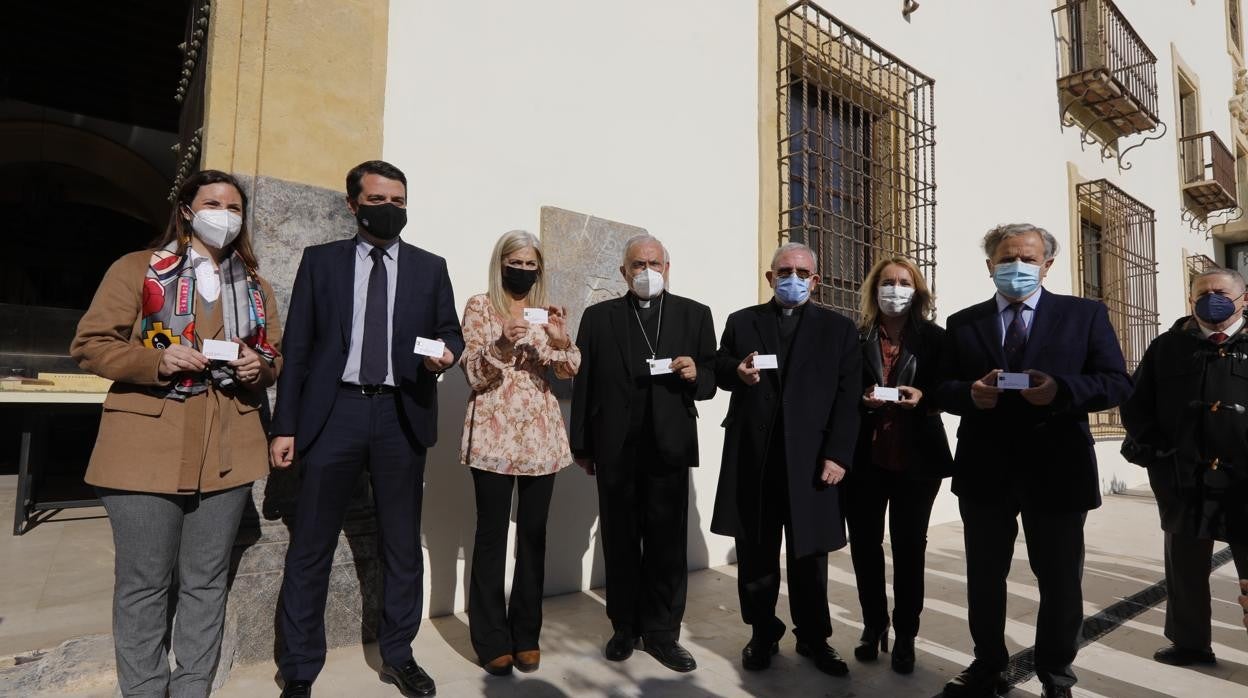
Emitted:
<point x="368" y="390"/>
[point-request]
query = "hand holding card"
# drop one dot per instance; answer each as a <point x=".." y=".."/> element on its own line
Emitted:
<point x="1013" y="381"/>
<point x="762" y="361"/>
<point x="430" y="347"/>
<point x="886" y="394"/>
<point x="218" y="350"/>
<point x="659" y="367"/>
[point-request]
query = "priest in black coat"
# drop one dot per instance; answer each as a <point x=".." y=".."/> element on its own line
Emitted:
<point x="791" y="432"/>
<point x="645" y="359"/>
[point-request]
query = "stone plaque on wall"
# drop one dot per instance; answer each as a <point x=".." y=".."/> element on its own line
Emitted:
<point x="583" y="256"/>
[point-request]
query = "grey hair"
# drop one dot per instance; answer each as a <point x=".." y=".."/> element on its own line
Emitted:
<point x="997" y="235"/>
<point x="1234" y="276"/>
<point x="642" y="239"/>
<point x="793" y="247"/>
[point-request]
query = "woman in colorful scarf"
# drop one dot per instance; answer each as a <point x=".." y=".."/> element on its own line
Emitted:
<point x="187" y="333"/>
<point x="514" y="437"/>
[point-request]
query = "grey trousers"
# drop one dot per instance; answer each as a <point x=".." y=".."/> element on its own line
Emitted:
<point x="181" y="542"/>
<point x="1188" y="613"/>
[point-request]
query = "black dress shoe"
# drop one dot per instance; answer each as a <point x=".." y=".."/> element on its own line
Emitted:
<point x="410" y="678"/>
<point x="1181" y="656"/>
<point x="297" y="689"/>
<point x="903" y="654"/>
<point x="758" y="653"/>
<point x="1048" y="691"/>
<point x="620" y="646"/>
<point x="824" y="656"/>
<point x="976" y="681"/>
<point x="671" y="655"/>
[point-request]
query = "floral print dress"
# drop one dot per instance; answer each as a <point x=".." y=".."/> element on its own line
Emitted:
<point x="513" y="425"/>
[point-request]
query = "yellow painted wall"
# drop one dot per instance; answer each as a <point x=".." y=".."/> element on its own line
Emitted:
<point x="768" y="148"/>
<point x="295" y="89"/>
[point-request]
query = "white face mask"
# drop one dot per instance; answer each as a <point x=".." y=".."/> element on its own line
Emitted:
<point x="647" y="284"/>
<point x="216" y="227"/>
<point x="894" y="300"/>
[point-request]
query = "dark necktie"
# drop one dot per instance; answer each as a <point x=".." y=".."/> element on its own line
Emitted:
<point x="374" y="349"/>
<point x="1217" y="337"/>
<point x="1015" y="339"/>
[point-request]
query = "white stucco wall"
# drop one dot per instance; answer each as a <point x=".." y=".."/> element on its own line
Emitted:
<point x="645" y="112"/>
<point x="641" y="112"/>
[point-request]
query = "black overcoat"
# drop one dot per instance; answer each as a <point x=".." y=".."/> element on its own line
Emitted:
<point x="1175" y="431"/>
<point x="818" y="386"/>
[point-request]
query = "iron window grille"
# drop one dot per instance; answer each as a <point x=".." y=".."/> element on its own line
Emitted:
<point x="1118" y="266"/>
<point x="856" y="153"/>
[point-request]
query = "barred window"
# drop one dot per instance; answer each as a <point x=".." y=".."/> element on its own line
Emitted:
<point x="856" y="148"/>
<point x="1118" y="266"/>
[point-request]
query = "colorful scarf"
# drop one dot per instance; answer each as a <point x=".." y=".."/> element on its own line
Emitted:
<point x="169" y="300"/>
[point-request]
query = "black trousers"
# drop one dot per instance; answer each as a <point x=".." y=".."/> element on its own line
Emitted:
<point x="1188" y="613"/>
<point x="869" y="492"/>
<point x="643" y="506"/>
<point x="361" y="432"/>
<point x="498" y="628"/>
<point x="758" y="565"/>
<point x="1055" y="551"/>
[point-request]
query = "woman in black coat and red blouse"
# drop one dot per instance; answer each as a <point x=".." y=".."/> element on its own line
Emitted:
<point x="902" y="454"/>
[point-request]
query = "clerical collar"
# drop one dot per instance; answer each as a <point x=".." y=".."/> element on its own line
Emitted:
<point x="643" y="303"/>
<point x="788" y="312"/>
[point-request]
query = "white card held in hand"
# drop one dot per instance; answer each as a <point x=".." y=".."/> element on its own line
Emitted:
<point x="886" y="394"/>
<point x="218" y="350"/>
<point x="765" y="361"/>
<point x="536" y="316"/>
<point x="1013" y="381"/>
<point x="659" y="367"/>
<point x="430" y="347"/>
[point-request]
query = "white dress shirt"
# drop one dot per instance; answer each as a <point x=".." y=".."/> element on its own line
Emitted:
<point x="359" y="302"/>
<point x="1229" y="332"/>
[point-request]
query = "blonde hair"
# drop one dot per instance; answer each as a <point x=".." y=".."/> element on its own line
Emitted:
<point x="923" y="307"/>
<point x="514" y="241"/>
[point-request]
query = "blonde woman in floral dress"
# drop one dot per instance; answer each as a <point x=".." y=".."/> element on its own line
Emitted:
<point x="514" y="436"/>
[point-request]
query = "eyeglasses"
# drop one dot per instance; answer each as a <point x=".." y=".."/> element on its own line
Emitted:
<point x="786" y="272"/>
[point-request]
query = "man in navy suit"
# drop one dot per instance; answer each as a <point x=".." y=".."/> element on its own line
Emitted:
<point x="357" y="395"/>
<point x="1026" y="451"/>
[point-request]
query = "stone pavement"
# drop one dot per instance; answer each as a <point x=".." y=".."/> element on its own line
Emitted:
<point x="1123" y="558"/>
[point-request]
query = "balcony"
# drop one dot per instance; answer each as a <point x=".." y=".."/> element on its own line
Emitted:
<point x="1208" y="175"/>
<point x="1107" y="77"/>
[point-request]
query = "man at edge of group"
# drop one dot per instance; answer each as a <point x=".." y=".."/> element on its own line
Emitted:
<point x="646" y="357"/>
<point x="356" y="395"/>
<point x="1186" y="422"/>
<point x="794" y="370"/>
<point x="1026" y="450"/>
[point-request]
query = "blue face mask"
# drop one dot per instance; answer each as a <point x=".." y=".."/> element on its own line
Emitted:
<point x="792" y="291"/>
<point x="1016" y="279"/>
<point x="1214" y="308"/>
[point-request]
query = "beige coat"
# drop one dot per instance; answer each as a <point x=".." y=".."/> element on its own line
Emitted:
<point x="211" y="441"/>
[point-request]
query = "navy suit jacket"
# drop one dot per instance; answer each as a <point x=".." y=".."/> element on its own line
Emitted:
<point x="1042" y="457"/>
<point x="318" y="337"/>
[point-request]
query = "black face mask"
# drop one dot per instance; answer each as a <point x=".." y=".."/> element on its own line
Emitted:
<point x="383" y="221"/>
<point x="519" y="281"/>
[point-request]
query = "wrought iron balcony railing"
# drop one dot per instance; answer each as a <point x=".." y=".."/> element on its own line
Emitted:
<point x="1208" y="175"/>
<point x="1105" y="69"/>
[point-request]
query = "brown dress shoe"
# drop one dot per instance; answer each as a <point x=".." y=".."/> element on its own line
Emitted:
<point x="528" y="660"/>
<point x="499" y="666"/>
